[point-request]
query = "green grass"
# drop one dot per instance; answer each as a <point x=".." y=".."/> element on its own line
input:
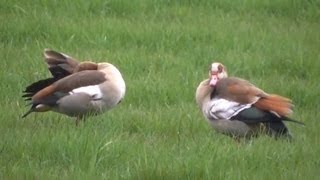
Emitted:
<point x="163" y="48"/>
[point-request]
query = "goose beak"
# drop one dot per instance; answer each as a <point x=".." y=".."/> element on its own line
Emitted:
<point x="214" y="79"/>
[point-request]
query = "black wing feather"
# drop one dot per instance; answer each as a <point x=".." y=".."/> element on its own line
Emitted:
<point x="57" y="73"/>
<point x="255" y="115"/>
<point x="274" y="124"/>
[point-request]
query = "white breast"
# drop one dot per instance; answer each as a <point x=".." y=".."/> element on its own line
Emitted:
<point x="122" y="87"/>
<point x="117" y="80"/>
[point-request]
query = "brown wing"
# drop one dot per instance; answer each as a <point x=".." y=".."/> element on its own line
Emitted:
<point x="239" y="90"/>
<point x="60" y="64"/>
<point x="275" y="103"/>
<point x="76" y="80"/>
<point x="55" y="59"/>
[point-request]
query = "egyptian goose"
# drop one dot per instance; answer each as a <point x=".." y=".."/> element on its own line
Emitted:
<point x="235" y="107"/>
<point x="76" y="89"/>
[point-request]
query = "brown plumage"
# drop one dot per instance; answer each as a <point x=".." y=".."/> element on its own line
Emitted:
<point x="275" y="103"/>
<point x="58" y="62"/>
<point x="87" y="65"/>
<point x="76" y="80"/>
<point x="55" y="59"/>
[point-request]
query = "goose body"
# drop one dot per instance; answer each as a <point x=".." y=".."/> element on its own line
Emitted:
<point x="235" y="107"/>
<point x="76" y="89"/>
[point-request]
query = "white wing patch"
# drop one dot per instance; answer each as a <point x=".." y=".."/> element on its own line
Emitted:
<point x="93" y="91"/>
<point x="219" y="108"/>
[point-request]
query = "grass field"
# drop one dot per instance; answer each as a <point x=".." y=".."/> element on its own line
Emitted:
<point x="163" y="48"/>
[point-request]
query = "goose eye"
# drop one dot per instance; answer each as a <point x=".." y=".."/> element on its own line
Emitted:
<point x="220" y="68"/>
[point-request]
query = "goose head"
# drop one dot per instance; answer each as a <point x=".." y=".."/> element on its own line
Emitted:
<point x="217" y="71"/>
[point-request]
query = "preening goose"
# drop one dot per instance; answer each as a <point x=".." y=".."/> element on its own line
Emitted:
<point x="235" y="107"/>
<point x="76" y="89"/>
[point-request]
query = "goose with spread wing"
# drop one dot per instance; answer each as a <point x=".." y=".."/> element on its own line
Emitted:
<point x="76" y="89"/>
